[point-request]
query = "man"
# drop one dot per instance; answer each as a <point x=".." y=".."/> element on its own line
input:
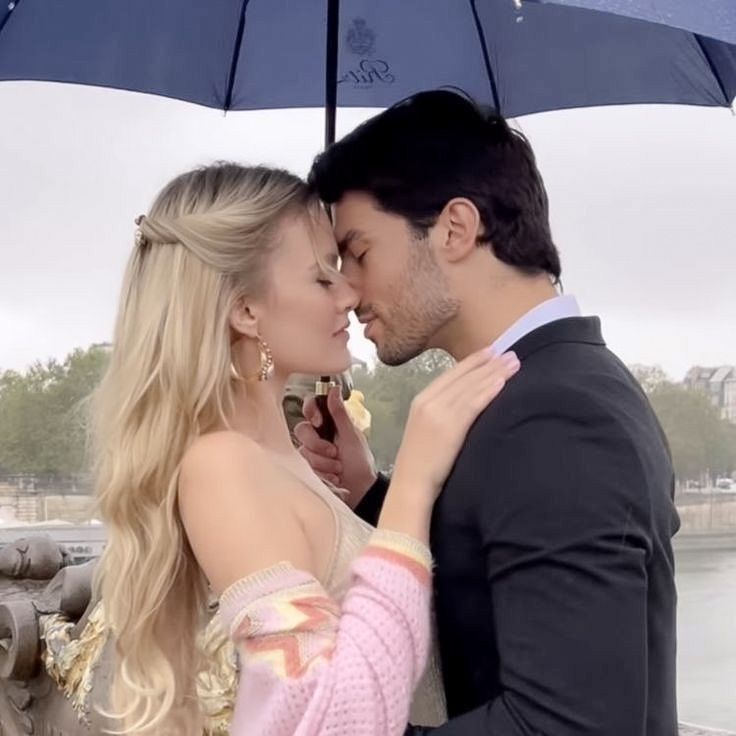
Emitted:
<point x="555" y="594"/>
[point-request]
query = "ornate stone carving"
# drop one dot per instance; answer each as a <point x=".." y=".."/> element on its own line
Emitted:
<point x="35" y="558"/>
<point x="19" y="645"/>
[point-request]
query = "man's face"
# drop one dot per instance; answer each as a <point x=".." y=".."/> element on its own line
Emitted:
<point x="404" y="298"/>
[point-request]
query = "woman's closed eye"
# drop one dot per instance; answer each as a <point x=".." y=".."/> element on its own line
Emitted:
<point x="327" y="277"/>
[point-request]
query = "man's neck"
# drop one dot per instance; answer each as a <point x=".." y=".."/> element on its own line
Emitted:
<point x="485" y="316"/>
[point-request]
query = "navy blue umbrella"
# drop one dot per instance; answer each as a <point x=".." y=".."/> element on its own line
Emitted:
<point x="521" y="57"/>
<point x="709" y="18"/>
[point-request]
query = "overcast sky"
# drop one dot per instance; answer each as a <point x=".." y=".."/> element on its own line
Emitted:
<point x="643" y="206"/>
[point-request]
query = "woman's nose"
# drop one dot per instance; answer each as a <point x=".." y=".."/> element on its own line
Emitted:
<point x="349" y="296"/>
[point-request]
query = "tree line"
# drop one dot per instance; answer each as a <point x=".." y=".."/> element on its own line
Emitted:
<point x="43" y="411"/>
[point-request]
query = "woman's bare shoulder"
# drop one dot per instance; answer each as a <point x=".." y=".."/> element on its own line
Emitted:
<point x="209" y="450"/>
<point x="232" y="510"/>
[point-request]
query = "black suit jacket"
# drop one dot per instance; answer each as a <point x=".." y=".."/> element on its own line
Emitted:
<point x="554" y="585"/>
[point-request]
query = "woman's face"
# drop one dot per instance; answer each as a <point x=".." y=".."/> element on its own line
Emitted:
<point x="305" y="315"/>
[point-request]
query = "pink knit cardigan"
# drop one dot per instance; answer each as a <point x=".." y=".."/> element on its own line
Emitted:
<point x="310" y="666"/>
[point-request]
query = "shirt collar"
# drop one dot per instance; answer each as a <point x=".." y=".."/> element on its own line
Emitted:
<point x="559" y="307"/>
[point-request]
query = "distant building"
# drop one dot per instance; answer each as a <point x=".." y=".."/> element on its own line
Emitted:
<point x="720" y="385"/>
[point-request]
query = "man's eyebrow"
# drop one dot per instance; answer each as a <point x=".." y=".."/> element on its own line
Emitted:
<point x="348" y="238"/>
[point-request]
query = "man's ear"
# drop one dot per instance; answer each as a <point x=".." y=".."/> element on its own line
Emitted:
<point x="461" y="226"/>
<point x="243" y="318"/>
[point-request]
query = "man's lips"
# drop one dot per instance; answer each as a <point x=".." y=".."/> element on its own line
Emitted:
<point x="368" y="326"/>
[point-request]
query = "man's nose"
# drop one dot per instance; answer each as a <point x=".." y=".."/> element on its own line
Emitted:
<point x="349" y="298"/>
<point x="352" y="275"/>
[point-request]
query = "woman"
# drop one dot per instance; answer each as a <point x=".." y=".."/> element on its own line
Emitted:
<point x="233" y="286"/>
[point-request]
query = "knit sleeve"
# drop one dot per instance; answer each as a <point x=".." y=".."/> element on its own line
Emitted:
<point x="309" y="666"/>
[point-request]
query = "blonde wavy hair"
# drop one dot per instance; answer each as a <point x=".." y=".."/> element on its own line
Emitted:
<point x="205" y="243"/>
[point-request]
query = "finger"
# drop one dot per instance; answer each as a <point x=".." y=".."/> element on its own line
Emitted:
<point x="331" y="479"/>
<point x="462" y="401"/>
<point x="451" y="391"/>
<point x="320" y="463"/>
<point x="469" y="364"/>
<point x="473" y="397"/>
<point x="477" y="404"/>
<point x="307" y="435"/>
<point x="483" y="397"/>
<point x="504" y="365"/>
<point x="311" y="411"/>
<point x="336" y="407"/>
<point x="501" y="368"/>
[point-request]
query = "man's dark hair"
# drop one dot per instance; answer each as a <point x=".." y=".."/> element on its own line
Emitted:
<point x="419" y="154"/>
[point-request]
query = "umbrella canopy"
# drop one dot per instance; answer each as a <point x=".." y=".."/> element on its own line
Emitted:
<point x="521" y="57"/>
<point x="709" y="18"/>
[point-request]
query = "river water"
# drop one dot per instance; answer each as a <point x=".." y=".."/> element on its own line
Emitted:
<point x="706" y="582"/>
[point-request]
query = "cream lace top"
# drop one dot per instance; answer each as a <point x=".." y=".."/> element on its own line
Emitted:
<point x="216" y="685"/>
<point x="428" y="706"/>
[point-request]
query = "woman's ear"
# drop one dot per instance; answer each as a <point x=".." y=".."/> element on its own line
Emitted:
<point x="462" y="227"/>
<point x="243" y="318"/>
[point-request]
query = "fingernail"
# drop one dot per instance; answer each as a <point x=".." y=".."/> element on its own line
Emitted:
<point x="510" y="358"/>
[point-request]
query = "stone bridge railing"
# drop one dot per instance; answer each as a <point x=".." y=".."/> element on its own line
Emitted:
<point x="31" y="697"/>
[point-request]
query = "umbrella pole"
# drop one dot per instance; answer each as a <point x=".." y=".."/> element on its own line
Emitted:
<point x="333" y="26"/>
<point x="486" y="57"/>
<point x="236" y="57"/>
